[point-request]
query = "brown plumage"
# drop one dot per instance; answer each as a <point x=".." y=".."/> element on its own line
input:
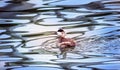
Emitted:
<point x="64" y="44"/>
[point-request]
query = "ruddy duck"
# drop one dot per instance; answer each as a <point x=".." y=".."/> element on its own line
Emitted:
<point x="64" y="44"/>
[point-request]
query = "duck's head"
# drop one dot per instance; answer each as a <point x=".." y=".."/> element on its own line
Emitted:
<point x="61" y="33"/>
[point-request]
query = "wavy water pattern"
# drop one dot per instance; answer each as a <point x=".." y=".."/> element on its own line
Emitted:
<point x="28" y="34"/>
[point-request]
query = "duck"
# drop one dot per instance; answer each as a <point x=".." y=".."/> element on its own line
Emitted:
<point x="64" y="44"/>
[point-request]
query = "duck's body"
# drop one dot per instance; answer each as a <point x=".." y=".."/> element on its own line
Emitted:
<point x="67" y="42"/>
<point x="64" y="44"/>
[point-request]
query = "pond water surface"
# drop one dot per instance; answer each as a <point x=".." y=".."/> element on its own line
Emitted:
<point x="28" y="39"/>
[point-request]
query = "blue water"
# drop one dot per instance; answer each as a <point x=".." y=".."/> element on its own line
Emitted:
<point x="28" y="39"/>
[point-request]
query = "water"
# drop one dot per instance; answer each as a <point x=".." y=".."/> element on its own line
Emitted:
<point x="28" y="39"/>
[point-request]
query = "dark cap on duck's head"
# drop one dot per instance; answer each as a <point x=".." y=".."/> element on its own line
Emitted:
<point x="60" y="30"/>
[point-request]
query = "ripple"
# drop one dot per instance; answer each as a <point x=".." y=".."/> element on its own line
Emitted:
<point x="79" y="68"/>
<point x="89" y="60"/>
<point x="71" y="2"/>
<point x="107" y="66"/>
<point x="37" y="68"/>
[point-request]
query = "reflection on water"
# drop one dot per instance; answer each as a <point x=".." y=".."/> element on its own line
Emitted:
<point x="28" y="40"/>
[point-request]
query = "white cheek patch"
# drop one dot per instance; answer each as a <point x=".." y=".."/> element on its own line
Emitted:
<point x="59" y="33"/>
